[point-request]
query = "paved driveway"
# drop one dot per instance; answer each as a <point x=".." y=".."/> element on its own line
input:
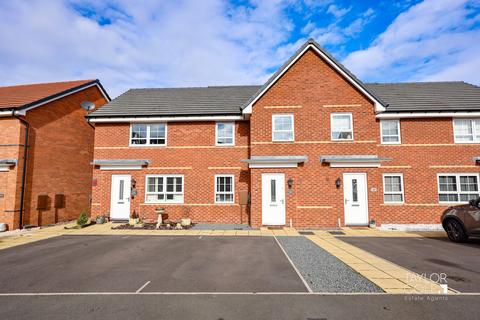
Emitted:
<point x="460" y="262"/>
<point x="150" y="263"/>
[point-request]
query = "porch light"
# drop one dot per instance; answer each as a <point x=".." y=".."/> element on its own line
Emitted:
<point x="338" y="183"/>
<point x="290" y="183"/>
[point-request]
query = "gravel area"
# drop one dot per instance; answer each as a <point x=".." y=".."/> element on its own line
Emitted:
<point x="321" y="270"/>
<point x="216" y="226"/>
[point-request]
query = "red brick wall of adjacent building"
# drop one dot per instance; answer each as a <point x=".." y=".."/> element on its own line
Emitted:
<point x="59" y="157"/>
<point x="190" y="151"/>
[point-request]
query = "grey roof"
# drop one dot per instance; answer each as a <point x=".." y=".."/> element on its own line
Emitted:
<point x="9" y="162"/>
<point x="294" y="56"/>
<point x="225" y="100"/>
<point x="119" y="162"/>
<point x="352" y="158"/>
<point x="428" y="96"/>
<point x="276" y="159"/>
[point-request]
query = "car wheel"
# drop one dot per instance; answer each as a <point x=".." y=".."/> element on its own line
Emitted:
<point x="455" y="231"/>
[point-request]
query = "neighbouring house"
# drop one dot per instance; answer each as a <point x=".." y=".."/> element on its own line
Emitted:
<point x="312" y="147"/>
<point x="45" y="124"/>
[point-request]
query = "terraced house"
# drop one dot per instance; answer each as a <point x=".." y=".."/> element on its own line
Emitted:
<point x="312" y="147"/>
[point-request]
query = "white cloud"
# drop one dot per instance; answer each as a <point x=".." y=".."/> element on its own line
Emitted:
<point x="337" y="11"/>
<point x="433" y="40"/>
<point x="158" y="43"/>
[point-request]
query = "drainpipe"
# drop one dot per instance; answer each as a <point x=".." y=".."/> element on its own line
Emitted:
<point x="24" y="170"/>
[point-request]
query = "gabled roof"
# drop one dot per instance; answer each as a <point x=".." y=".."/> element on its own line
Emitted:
<point x="428" y="96"/>
<point x="199" y="101"/>
<point x="312" y="44"/>
<point x="28" y="95"/>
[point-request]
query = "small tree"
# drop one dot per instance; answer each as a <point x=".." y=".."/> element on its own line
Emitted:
<point x="82" y="219"/>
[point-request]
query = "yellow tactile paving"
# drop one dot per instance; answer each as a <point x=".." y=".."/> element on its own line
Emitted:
<point x="385" y="274"/>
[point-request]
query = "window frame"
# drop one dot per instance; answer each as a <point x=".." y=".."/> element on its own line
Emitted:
<point x="130" y="144"/>
<point x="402" y="185"/>
<point x="476" y="139"/>
<point x="216" y="134"/>
<point x="165" y="176"/>
<point x="332" y="115"/>
<point x="399" y="132"/>
<point x="273" y="127"/>
<point x="215" y="188"/>
<point x="459" y="191"/>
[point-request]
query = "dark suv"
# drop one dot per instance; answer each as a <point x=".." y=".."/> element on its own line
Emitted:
<point x="463" y="221"/>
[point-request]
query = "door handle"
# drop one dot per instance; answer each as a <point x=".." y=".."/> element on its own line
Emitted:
<point x="346" y="200"/>
<point x="282" y="201"/>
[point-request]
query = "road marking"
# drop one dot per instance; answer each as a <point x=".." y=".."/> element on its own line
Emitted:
<point x="142" y="287"/>
<point x="295" y="268"/>
<point x="232" y="293"/>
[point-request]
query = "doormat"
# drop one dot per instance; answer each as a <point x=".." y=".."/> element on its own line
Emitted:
<point x="337" y="233"/>
<point x="275" y="228"/>
<point x="306" y="233"/>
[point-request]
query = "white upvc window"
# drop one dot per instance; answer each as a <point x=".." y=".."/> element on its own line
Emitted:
<point x="282" y="127"/>
<point x="458" y="187"/>
<point x="390" y="131"/>
<point x="341" y="125"/>
<point x="166" y="188"/>
<point x="224" y="188"/>
<point x="225" y="134"/>
<point x="154" y="134"/>
<point x="466" y="130"/>
<point x="393" y="191"/>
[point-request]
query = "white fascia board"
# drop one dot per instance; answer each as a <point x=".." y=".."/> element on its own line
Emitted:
<point x="9" y="113"/>
<point x="273" y="165"/>
<point x="406" y="115"/>
<point x="122" y="167"/>
<point x="166" y="119"/>
<point x="378" y="105"/>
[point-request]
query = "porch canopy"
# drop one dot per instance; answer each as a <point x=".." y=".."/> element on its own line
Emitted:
<point x="120" y="164"/>
<point x="5" y="164"/>
<point x="477" y="160"/>
<point x="357" y="161"/>
<point x="275" y="161"/>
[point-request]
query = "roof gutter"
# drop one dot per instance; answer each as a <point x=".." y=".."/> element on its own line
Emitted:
<point x="406" y="115"/>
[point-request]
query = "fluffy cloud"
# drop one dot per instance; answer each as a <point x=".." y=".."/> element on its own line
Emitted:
<point x="158" y="43"/>
<point x="433" y="40"/>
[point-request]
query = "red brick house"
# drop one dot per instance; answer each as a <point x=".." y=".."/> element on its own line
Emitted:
<point x="45" y="124"/>
<point x="312" y="147"/>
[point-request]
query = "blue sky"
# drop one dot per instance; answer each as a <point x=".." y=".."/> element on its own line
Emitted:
<point x="147" y="43"/>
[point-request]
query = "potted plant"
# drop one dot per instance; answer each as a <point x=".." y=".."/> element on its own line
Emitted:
<point x="186" y="221"/>
<point x="134" y="219"/>
<point x="82" y="220"/>
<point x="372" y="224"/>
<point x="100" y="219"/>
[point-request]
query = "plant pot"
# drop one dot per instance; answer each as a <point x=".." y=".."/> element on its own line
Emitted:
<point x="372" y="224"/>
<point x="100" y="220"/>
<point x="133" y="221"/>
<point x="185" y="222"/>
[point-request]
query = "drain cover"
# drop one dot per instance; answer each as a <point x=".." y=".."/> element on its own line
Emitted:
<point x="336" y="233"/>
<point x="306" y="233"/>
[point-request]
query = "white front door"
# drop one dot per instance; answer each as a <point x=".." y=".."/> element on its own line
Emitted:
<point x="120" y="197"/>
<point x="355" y="198"/>
<point x="273" y="199"/>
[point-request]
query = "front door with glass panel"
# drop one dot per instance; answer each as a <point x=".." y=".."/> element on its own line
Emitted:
<point x="120" y="197"/>
<point x="355" y="198"/>
<point x="273" y="199"/>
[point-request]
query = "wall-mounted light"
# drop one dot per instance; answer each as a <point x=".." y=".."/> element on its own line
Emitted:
<point x="290" y="183"/>
<point x="338" y="183"/>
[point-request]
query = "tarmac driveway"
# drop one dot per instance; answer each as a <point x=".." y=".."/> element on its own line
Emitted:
<point x="430" y="256"/>
<point x="148" y="263"/>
